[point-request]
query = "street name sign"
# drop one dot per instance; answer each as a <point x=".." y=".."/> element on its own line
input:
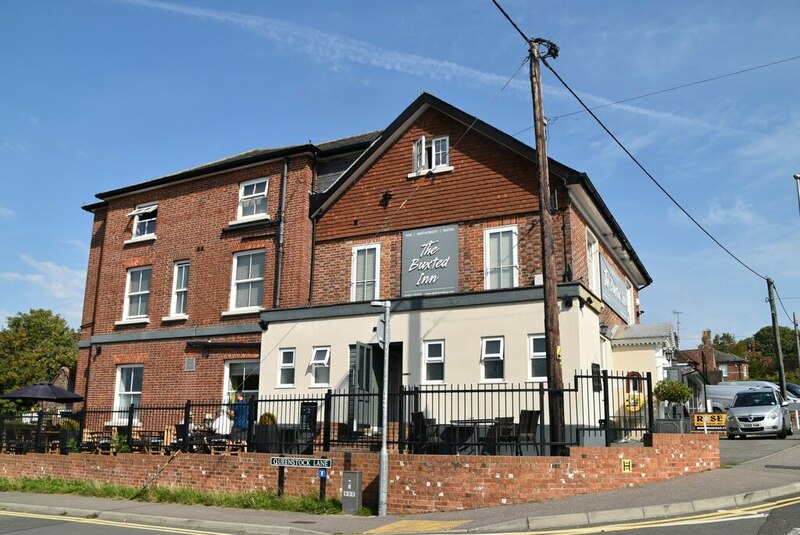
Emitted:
<point x="301" y="462"/>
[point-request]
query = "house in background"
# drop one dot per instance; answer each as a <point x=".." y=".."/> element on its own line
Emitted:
<point x="232" y="275"/>
<point x="717" y="366"/>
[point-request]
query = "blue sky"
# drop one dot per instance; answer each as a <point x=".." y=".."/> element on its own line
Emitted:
<point x="99" y="94"/>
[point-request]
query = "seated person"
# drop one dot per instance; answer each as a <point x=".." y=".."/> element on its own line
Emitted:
<point x="222" y="425"/>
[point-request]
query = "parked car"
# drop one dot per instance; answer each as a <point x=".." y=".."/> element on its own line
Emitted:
<point x="721" y="396"/>
<point x="793" y="389"/>
<point x="791" y="396"/>
<point x="759" y="411"/>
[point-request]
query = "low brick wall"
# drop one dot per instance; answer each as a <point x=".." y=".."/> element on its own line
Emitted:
<point x="417" y="483"/>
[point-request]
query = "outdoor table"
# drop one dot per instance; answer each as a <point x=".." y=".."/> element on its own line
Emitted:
<point x="467" y="433"/>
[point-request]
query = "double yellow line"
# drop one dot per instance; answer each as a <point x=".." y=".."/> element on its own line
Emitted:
<point x="100" y="522"/>
<point x="716" y="516"/>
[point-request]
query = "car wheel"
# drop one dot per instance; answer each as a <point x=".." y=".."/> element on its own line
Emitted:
<point x="731" y="436"/>
<point x="782" y="434"/>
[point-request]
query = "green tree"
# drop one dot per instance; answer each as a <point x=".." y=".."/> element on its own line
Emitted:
<point x="34" y="347"/>
<point x="725" y="342"/>
<point x="764" y="342"/>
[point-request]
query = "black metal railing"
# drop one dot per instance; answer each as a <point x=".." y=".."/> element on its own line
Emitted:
<point x="508" y="419"/>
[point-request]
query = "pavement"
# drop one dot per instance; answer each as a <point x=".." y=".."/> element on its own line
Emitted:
<point x="753" y="470"/>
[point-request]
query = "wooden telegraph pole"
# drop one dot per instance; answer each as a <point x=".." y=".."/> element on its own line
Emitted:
<point x="555" y="381"/>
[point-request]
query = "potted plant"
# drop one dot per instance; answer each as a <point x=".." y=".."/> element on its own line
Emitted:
<point x="266" y="436"/>
<point x="674" y="394"/>
<point x="69" y="432"/>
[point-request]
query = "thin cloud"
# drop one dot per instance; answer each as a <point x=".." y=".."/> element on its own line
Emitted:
<point x="58" y="281"/>
<point x="6" y="213"/>
<point x="738" y="214"/>
<point x="338" y="50"/>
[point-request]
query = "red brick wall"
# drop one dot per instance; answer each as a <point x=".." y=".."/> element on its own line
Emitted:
<point x="417" y="483"/>
<point x="489" y="186"/>
<point x="190" y="222"/>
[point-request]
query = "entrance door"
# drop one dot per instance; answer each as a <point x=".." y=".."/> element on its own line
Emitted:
<point x="362" y="387"/>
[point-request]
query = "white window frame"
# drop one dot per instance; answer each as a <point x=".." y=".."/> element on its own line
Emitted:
<point x="534" y="355"/>
<point x="354" y="281"/>
<point x="427" y="360"/>
<point x="593" y="262"/>
<point x="283" y="365"/>
<point x="487" y="267"/>
<point x="126" y="312"/>
<point x="244" y="198"/>
<point x="724" y="369"/>
<point x="234" y="283"/>
<point x="174" y="314"/>
<point x="228" y="390"/>
<point x="137" y="213"/>
<point x="425" y="156"/>
<point x="323" y="363"/>
<point x="486" y="356"/>
<point x="119" y="391"/>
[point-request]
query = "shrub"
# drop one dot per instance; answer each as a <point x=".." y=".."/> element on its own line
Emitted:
<point x="672" y="391"/>
<point x="68" y="424"/>
<point x="267" y="419"/>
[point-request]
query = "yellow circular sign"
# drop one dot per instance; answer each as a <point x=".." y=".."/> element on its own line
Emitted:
<point x="633" y="402"/>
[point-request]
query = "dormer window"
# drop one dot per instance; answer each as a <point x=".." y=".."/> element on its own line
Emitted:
<point x="144" y="221"/>
<point x="431" y="155"/>
<point x="253" y="199"/>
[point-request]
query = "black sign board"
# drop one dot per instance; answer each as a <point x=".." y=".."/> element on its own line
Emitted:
<point x="308" y="415"/>
<point x="597" y="380"/>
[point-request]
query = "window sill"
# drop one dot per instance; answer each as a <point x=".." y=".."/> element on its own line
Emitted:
<point x="435" y="171"/>
<point x="493" y="381"/>
<point x="285" y="387"/>
<point x="176" y="317"/>
<point x="246" y="220"/>
<point x="140" y="239"/>
<point x="320" y="386"/>
<point x="136" y="321"/>
<point x="241" y="311"/>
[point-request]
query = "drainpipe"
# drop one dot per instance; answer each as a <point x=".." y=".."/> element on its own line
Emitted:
<point x="313" y="259"/>
<point x="281" y="230"/>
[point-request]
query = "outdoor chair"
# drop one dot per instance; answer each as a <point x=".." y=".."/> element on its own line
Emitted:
<point x="526" y="435"/>
<point x="424" y="434"/>
<point x="505" y="433"/>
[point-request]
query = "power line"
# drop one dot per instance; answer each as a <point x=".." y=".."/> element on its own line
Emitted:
<point x="791" y="320"/>
<point x="682" y="86"/>
<point x="646" y="172"/>
<point x="514" y="24"/>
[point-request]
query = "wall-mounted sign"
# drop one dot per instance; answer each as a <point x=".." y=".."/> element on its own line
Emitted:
<point x="430" y="261"/>
<point x="614" y="290"/>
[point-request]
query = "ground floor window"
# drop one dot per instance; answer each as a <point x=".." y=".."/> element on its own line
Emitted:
<point x="321" y="366"/>
<point x="241" y="375"/>
<point x="128" y="390"/>
<point x="537" y="353"/>
<point x="434" y="361"/>
<point x="492" y="355"/>
<point x="286" y="377"/>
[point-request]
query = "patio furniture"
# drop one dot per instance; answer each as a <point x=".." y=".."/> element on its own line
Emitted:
<point x="424" y="434"/>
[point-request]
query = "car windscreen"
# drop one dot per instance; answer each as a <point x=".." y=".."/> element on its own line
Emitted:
<point x="754" y="399"/>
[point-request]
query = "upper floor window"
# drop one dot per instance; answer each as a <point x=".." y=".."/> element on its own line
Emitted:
<point x="431" y="155"/>
<point x="287" y="364"/>
<point x="321" y="366"/>
<point x="144" y="221"/>
<point x="129" y="387"/>
<point x="501" y="269"/>
<point x="492" y="356"/>
<point x="434" y="361"/>
<point x="253" y="199"/>
<point x="180" y="290"/>
<point x="365" y="273"/>
<point x="137" y="293"/>
<point x="248" y="280"/>
<point x="537" y="353"/>
<point x="593" y="262"/>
